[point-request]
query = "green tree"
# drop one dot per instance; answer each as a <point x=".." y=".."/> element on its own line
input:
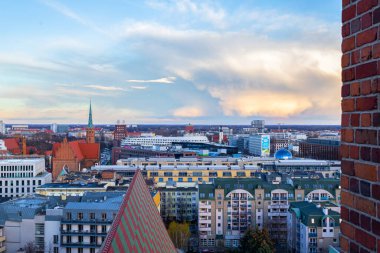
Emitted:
<point x="256" y="241"/>
<point x="180" y="234"/>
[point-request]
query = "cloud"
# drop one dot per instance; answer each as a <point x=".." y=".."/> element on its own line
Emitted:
<point x="188" y="112"/>
<point x="69" y="13"/>
<point x="251" y="75"/>
<point x="139" y="87"/>
<point x="203" y="10"/>
<point x="169" y="79"/>
<point x="105" y="88"/>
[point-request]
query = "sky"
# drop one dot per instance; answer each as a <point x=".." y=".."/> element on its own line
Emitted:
<point x="170" y="62"/>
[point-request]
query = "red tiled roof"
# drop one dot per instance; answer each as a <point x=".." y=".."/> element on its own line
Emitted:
<point x="138" y="226"/>
<point x="74" y="145"/>
<point x="90" y="150"/>
<point x="81" y="149"/>
<point x="12" y="145"/>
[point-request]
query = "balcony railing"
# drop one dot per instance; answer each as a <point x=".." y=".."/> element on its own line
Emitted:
<point x="80" y="244"/>
<point x="312" y="234"/>
<point x="84" y="232"/>
<point x="93" y="221"/>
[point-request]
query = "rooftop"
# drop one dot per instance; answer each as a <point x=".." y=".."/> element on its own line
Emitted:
<point x="72" y="185"/>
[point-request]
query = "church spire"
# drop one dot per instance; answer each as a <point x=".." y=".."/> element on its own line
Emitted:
<point x="90" y="125"/>
<point x="90" y="131"/>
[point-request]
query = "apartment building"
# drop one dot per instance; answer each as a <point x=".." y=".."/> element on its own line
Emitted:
<point x="2" y="240"/>
<point x="179" y="202"/>
<point x="227" y="207"/>
<point x="312" y="227"/>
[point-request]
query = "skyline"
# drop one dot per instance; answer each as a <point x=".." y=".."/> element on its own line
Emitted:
<point x="171" y="62"/>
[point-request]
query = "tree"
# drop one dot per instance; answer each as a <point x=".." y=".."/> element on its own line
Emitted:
<point x="180" y="234"/>
<point x="256" y="241"/>
<point x="30" y="247"/>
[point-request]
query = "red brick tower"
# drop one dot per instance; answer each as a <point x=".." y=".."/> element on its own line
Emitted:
<point x="360" y="149"/>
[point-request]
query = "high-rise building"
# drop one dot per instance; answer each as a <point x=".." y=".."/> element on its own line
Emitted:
<point x="120" y="131"/>
<point x="360" y="147"/>
<point x="2" y="127"/>
<point x="258" y="125"/>
<point x="54" y="127"/>
<point x="259" y="145"/>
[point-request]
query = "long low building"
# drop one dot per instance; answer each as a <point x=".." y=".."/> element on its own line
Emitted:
<point x="70" y="189"/>
<point x="163" y="140"/>
<point x="200" y="170"/>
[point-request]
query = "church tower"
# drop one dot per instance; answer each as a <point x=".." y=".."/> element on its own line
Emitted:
<point x="90" y="131"/>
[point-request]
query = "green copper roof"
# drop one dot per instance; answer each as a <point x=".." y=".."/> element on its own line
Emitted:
<point x="90" y="125"/>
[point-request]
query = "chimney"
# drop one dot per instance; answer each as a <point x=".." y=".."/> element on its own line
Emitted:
<point x="325" y="211"/>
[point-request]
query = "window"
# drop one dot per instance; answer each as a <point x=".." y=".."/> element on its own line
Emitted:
<point x="56" y="250"/>
<point x="80" y="238"/>
<point x="80" y="250"/>
<point x="104" y="229"/>
<point x="68" y="216"/>
<point x="68" y="250"/>
<point x="312" y="221"/>
<point x="219" y="224"/>
<point x="55" y="239"/>
<point x="161" y="180"/>
<point x="80" y="216"/>
<point x="211" y="195"/>
<point x="92" y="216"/>
<point x="104" y="216"/>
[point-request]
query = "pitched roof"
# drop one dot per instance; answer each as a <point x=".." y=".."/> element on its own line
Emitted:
<point x="12" y="145"/>
<point x="81" y="149"/>
<point x="138" y="226"/>
<point x="90" y="150"/>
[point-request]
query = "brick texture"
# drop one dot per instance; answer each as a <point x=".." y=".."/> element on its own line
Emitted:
<point x="360" y="120"/>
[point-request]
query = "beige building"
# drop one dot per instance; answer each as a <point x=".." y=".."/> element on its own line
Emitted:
<point x="229" y="206"/>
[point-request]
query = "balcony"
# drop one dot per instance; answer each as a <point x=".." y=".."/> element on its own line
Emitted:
<point x="97" y="222"/>
<point x="83" y="232"/>
<point x="81" y="245"/>
<point x="2" y="249"/>
<point x="2" y="238"/>
<point x="312" y="234"/>
<point x="312" y="245"/>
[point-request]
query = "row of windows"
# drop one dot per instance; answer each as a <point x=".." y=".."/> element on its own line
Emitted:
<point x="17" y="190"/>
<point x="20" y="182"/>
<point x="92" y="216"/>
<point x="93" y="228"/>
<point x="11" y="168"/>
<point x="16" y="175"/>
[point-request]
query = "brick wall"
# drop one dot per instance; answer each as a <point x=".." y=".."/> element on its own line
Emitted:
<point x="360" y="126"/>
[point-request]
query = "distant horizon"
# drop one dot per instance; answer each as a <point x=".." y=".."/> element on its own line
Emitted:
<point x="174" y="124"/>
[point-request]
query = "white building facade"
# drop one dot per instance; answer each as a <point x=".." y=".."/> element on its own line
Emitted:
<point x="259" y="145"/>
<point x="20" y="177"/>
<point x="162" y="140"/>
